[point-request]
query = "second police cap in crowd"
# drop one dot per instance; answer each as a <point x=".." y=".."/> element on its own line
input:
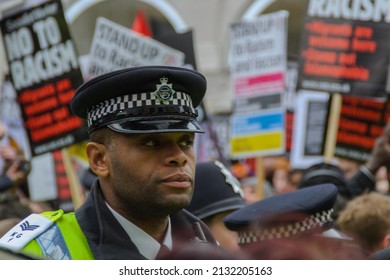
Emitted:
<point x="216" y="190"/>
<point x="144" y="99"/>
<point x="285" y="215"/>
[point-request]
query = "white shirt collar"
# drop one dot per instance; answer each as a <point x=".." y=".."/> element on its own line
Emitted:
<point x="147" y="245"/>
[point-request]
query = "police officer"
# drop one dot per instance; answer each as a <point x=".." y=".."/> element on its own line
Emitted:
<point x="141" y="124"/>
<point x="293" y="225"/>
<point x="217" y="194"/>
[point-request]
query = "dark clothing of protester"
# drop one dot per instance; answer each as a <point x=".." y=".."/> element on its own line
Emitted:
<point x="5" y="183"/>
<point x="363" y="181"/>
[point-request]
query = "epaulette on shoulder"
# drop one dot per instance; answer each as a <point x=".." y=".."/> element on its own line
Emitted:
<point x="53" y="215"/>
<point x="28" y="229"/>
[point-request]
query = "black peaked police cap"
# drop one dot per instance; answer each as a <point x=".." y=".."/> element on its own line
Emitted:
<point x="144" y="99"/>
<point x="285" y="215"/>
<point x="216" y="190"/>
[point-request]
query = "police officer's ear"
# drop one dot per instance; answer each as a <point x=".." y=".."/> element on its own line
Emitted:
<point x="386" y="241"/>
<point x="98" y="159"/>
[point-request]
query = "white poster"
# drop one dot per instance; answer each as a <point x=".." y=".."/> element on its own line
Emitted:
<point x="42" y="179"/>
<point x="258" y="53"/>
<point x="116" y="47"/>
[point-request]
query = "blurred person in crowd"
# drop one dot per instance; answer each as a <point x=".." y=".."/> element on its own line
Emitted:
<point x="348" y="166"/>
<point x="293" y="225"/>
<point x="294" y="178"/>
<point x="280" y="177"/>
<point x="141" y="124"/>
<point x="249" y="187"/>
<point x="351" y="168"/>
<point x="323" y="172"/>
<point x="240" y="169"/>
<point x="272" y="163"/>
<point x="382" y="180"/>
<point x="362" y="181"/>
<point x="14" y="168"/>
<point x="217" y="193"/>
<point x="366" y="219"/>
<point x="13" y="206"/>
<point x="253" y="188"/>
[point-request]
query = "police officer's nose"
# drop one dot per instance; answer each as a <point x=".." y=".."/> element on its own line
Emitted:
<point x="176" y="156"/>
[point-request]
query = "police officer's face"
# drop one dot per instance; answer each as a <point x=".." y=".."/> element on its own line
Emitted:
<point x="152" y="174"/>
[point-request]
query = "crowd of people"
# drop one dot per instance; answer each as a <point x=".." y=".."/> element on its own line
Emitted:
<point x="148" y="198"/>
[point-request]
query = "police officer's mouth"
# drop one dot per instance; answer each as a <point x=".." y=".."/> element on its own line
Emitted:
<point x="181" y="180"/>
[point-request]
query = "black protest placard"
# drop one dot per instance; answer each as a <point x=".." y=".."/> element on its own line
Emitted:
<point x="361" y="121"/>
<point x="345" y="48"/>
<point x="45" y="72"/>
<point x="317" y="112"/>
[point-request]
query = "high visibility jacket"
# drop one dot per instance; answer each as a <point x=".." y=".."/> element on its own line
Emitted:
<point x="91" y="232"/>
<point x="63" y="239"/>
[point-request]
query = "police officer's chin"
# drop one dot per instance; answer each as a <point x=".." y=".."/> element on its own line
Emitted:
<point x="174" y="205"/>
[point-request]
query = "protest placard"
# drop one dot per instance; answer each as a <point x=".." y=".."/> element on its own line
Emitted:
<point x="115" y="47"/>
<point x="361" y="121"/>
<point x="344" y="48"/>
<point x="45" y="72"/>
<point x="258" y="66"/>
<point x="310" y="125"/>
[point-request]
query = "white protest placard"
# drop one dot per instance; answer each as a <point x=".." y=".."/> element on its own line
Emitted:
<point x="116" y="47"/>
<point x="258" y="54"/>
<point x="258" y="65"/>
<point x="42" y="179"/>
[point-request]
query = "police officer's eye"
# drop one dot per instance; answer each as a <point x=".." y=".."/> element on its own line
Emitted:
<point x="151" y="143"/>
<point x="187" y="143"/>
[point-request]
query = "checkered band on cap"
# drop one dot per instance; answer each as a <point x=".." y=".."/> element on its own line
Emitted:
<point x="140" y="104"/>
<point x="313" y="221"/>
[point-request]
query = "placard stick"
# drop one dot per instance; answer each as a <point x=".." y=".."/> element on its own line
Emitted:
<point x="74" y="182"/>
<point x="260" y="175"/>
<point x="333" y="126"/>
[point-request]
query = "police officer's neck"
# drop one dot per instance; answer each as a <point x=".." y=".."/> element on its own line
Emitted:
<point x="155" y="226"/>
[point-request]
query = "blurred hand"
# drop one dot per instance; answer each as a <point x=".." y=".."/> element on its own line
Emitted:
<point x="8" y="153"/>
<point x="14" y="174"/>
<point x="380" y="155"/>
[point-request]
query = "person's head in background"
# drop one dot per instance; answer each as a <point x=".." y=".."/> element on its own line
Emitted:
<point x="249" y="187"/>
<point x="349" y="167"/>
<point x="294" y="178"/>
<point x="323" y="172"/>
<point x="382" y="181"/>
<point x="294" y="225"/>
<point x="217" y="193"/>
<point x="280" y="179"/>
<point x="366" y="219"/>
